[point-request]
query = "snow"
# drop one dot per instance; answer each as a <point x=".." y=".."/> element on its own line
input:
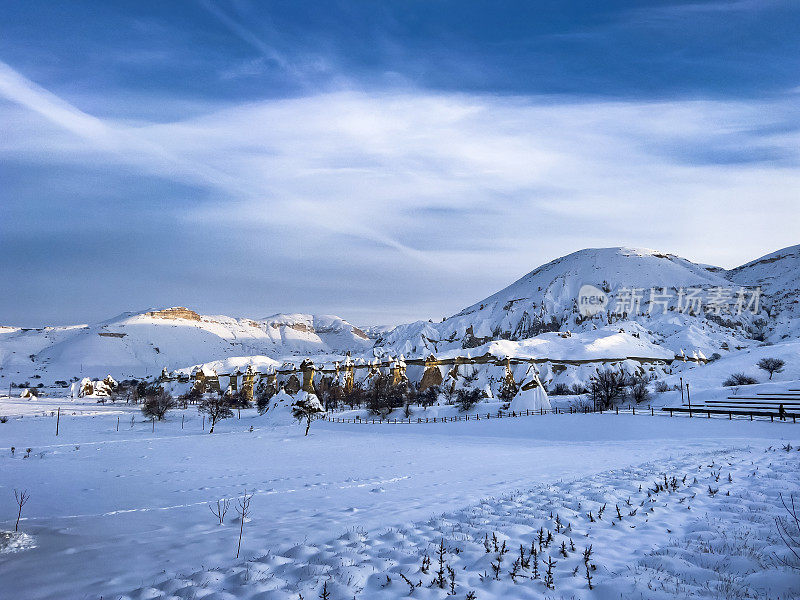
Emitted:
<point x="546" y="299"/>
<point x="124" y="514"/>
<point x="119" y="504"/>
<point x="281" y="405"/>
<point x="534" y="399"/>
<point x="139" y="345"/>
<point x="15" y="541"/>
<point x="535" y="317"/>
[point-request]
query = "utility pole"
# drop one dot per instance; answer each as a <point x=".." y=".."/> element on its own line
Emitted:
<point x="682" y="402"/>
<point x="58" y="418"/>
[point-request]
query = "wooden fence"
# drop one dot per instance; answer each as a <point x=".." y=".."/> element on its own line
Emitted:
<point x="645" y="411"/>
<point x="500" y="414"/>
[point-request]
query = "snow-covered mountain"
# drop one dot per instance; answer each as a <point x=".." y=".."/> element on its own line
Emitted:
<point x="778" y="274"/>
<point x="542" y="302"/>
<point x="546" y="299"/>
<point x="142" y="343"/>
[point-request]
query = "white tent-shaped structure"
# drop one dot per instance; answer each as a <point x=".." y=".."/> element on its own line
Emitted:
<point x="531" y="395"/>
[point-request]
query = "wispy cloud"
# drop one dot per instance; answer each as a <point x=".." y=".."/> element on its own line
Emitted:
<point x="246" y="35"/>
<point x="466" y="191"/>
<point x="167" y="156"/>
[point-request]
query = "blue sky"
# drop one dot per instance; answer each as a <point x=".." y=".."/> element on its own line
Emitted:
<point x="380" y="161"/>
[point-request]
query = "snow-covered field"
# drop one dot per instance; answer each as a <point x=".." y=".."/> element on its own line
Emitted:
<point x="124" y="514"/>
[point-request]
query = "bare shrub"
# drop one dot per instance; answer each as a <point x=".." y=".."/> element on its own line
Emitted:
<point x="739" y="379"/>
<point x="22" y="499"/>
<point x="243" y="509"/>
<point x="560" y="389"/>
<point x="467" y="398"/>
<point x="221" y="510"/>
<point x="639" y="393"/>
<point x="789" y="531"/>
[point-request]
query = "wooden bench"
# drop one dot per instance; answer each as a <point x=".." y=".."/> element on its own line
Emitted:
<point x="707" y="412"/>
<point x="765" y="397"/>
<point x="755" y="404"/>
<point x="727" y="407"/>
<point x="769" y="401"/>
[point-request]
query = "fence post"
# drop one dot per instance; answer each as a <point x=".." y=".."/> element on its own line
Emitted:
<point x="651" y="412"/>
<point x="730" y="416"/>
<point x="709" y="414"/>
<point x="633" y="408"/>
<point x="618" y="410"/>
<point x="670" y="412"/>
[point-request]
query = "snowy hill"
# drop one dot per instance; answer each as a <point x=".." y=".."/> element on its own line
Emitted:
<point x="138" y="344"/>
<point x="778" y="274"/>
<point x="546" y="299"/>
<point x="543" y="301"/>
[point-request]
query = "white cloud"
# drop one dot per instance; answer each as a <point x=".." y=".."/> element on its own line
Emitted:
<point x="477" y="188"/>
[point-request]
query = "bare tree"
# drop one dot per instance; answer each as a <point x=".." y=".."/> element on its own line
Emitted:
<point x="21" y="498"/>
<point x="639" y="392"/>
<point x="221" y="510"/>
<point x="606" y="386"/>
<point x="243" y="509"/>
<point x="157" y="402"/>
<point x="771" y="365"/>
<point x="217" y="407"/>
